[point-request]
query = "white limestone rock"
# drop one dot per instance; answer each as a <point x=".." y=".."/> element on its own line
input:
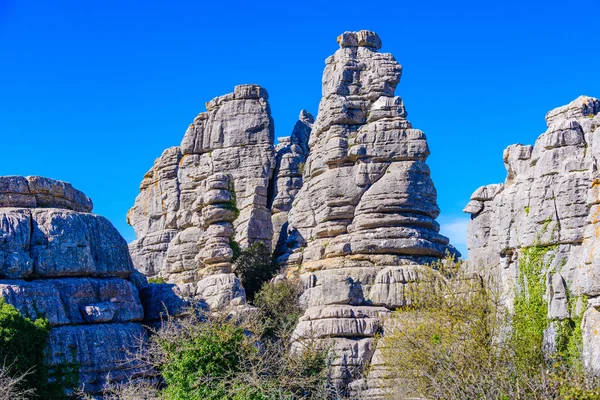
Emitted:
<point x="550" y="200"/>
<point x="59" y="261"/>
<point x="210" y="191"/>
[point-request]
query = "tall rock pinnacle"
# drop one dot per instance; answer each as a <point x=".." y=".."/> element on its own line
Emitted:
<point x="363" y="223"/>
<point x="201" y="197"/>
<point x="367" y="189"/>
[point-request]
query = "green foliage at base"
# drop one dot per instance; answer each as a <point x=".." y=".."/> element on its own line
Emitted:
<point x="210" y="357"/>
<point x="254" y="266"/>
<point x="278" y="302"/>
<point x="156" y="280"/>
<point x="530" y="318"/>
<point x="22" y="347"/>
<point x="453" y="340"/>
<point x="213" y="353"/>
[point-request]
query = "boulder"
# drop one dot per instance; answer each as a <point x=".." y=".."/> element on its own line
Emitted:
<point x="58" y="261"/>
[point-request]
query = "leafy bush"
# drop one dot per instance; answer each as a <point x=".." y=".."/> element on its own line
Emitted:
<point x="227" y="357"/>
<point x="22" y="344"/>
<point x="254" y="266"/>
<point x="278" y="303"/>
<point x="456" y="340"/>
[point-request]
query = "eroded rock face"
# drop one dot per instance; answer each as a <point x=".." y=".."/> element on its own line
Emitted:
<point x="291" y="154"/>
<point x="210" y="191"/>
<point x="59" y="261"/>
<point x="364" y="220"/>
<point x="367" y="189"/>
<point x="549" y="203"/>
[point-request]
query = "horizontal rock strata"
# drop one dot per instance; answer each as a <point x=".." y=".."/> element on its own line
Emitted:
<point x="208" y="197"/>
<point x="363" y="222"/>
<point x="62" y="263"/>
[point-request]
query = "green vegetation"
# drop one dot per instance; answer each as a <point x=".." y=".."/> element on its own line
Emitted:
<point x="527" y="209"/>
<point x="231" y="205"/>
<point x="22" y="349"/>
<point x="254" y="266"/>
<point x="278" y="303"/>
<point x="229" y="357"/>
<point x="156" y="280"/>
<point x="530" y="318"/>
<point x="235" y="247"/>
<point x="456" y="345"/>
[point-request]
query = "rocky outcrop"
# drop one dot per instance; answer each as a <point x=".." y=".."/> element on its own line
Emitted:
<point x="207" y="197"/>
<point x="364" y="219"/>
<point x="367" y="193"/>
<point x="291" y="154"/>
<point x="59" y="261"/>
<point x="549" y="205"/>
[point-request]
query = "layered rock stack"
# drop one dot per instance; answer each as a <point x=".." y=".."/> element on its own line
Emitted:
<point x="346" y="203"/>
<point x="59" y="261"/>
<point x="548" y="204"/>
<point x="208" y="197"/>
<point x="291" y="154"/>
<point x="364" y="219"/>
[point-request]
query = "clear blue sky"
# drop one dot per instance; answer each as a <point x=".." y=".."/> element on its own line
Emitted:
<point x="92" y="91"/>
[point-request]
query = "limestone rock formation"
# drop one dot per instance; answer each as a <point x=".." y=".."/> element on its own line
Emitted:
<point x="364" y="220"/>
<point x="291" y="154"/>
<point x="367" y="190"/>
<point x="208" y="196"/>
<point x="549" y="203"/>
<point x="59" y="261"/>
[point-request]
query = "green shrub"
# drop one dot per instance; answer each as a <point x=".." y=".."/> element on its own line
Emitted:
<point x="210" y="356"/>
<point x="278" y="303"/>
<point x="22" y="346"/>
<point x="456" y="340"/>
<point x="156" y="280"/>
<point x="254" y="266"/>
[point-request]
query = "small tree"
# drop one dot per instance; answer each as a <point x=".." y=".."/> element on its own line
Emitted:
<point x="254" y="266"/>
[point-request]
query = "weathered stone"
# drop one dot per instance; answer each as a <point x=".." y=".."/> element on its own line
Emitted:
<point x="290" y="160"/>
<point x="549" y="204"/>
<point x="35" y="191"/>
<point x="101" y="351"/>
<point x="163" y="300"/>
<point x="220" y="291"/>
<point x="364" y="216"/>
<point x="210" y="191"/>
<point x="66" y="301"/>
<point x="75" y="264"/>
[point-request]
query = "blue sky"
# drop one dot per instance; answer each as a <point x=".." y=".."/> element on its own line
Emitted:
<point x="93" y="91"/>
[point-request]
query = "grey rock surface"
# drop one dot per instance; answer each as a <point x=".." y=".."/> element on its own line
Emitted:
<point x="210" y="191"/>
<point x="549" y="202"/>
<point x="363" y="221"/>
<point x="59" y="261"/>
<point x="35" y="191"/>
<point x="102" y="352"/>
<point x="53" y="242"/>
<point x="366" y="188"/>
<point x="68" y="301"/>
<point x="290" y="160"/>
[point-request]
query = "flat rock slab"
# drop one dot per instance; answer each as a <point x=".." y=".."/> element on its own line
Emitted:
<point x="74" y="300"/>
<point x="38" y="192"/>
